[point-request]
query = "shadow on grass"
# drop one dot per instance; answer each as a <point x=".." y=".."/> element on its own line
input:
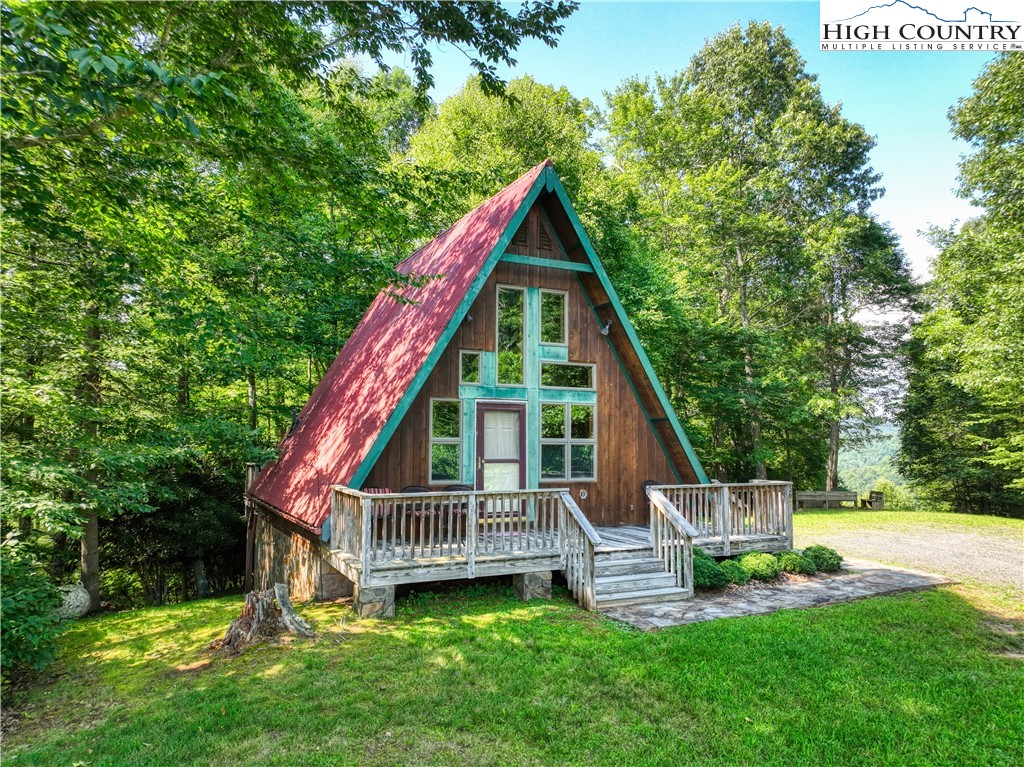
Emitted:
<point x="475" y="677"/>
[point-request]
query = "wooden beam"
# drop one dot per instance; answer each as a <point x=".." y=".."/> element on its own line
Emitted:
<point x="547" y="263"/>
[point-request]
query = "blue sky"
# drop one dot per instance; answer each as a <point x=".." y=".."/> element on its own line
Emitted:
<point x="901" y="97"/>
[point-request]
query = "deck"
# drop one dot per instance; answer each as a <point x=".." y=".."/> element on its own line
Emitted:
<point x="390" y="539"/>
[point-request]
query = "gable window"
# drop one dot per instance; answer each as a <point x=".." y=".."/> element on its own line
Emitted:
<point x="552" y="317"/>
<point x="445" y="440"/>
<point x="566" y="376"/>
<point x="510" y="335"/>
<point x="469" y="367"/>
<point x="568" y="442"/>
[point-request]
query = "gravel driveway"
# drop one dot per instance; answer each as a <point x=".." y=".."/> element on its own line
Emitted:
<point x="994" y="557"/>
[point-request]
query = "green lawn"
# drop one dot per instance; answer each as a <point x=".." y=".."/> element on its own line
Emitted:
<point x="475" y="677"/>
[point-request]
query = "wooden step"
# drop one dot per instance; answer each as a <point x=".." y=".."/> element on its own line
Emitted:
<point x="628" y="566"/>
<point x="652" y="596"/>
<point x="617" y="584"/>
<point x="614" y="555"/>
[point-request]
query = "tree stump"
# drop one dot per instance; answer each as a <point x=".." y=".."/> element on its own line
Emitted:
<point x="261" y="619"/>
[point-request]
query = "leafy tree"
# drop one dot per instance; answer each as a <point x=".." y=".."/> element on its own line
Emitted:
<point x="196" y="212"/>
<point x="759" y="194"/>
<point x="963" y="416"/>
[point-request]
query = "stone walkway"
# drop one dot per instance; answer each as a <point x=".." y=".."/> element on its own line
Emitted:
<point x="858" y="579"/>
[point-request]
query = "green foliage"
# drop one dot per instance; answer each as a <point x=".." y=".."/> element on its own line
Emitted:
<point x="735" y="572"/>
<point x="825" y="559"/>
<point x="795" y="562"/>
<point x="29" y="624"/>
<point x="760" y="567"/>
<point x="707" y="574"/>
<point x="199" y="204"/>
<point x="963" y="420"/>
<point x="699" y="553"/>
<point x="758" y="193"/>
<point x="897" y="497"/>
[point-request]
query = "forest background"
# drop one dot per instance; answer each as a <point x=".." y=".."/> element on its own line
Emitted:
<point x="200" y="200"/>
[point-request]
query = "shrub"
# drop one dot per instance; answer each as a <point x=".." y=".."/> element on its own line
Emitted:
<point x="761" y="567"/>
<point x="825" y="559"/>
<point x="795" y="562"/>
<point x="708" y="574"/>
<point x="699" y="553"/>
<point x="28" y="611"/>
<point x="734" y="572"/>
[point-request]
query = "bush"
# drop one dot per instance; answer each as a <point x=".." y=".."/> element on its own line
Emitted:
<point x="761" y="567"/>
<point x="795" y="562"/>
<point x="825" y="559"/>
<point x="708" y="574"/>
<point x="28" y="611"/>
<point x="734" y="572"/>
<point x="699" y="553"/>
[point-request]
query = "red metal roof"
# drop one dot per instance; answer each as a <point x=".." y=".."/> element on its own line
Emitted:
<point x="363" y="386"/>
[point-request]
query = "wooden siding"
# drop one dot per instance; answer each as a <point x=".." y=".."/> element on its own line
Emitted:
<point x="628" y="451"/>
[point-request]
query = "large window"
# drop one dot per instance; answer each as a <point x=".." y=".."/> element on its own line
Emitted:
<point x="445" y="440"/>
<point x="560" y="375"/>
<point x="552" y="317"/>
<point x="568" y="442"/>
<point x="510" y="335"/>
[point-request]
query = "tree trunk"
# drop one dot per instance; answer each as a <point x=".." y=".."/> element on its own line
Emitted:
<point x="202" y="584"/>
<point x="262" y="619"/>
<point x="251" y="380"/>
<point x="91" y="560"/>
<point x="832" y="478"/>
<point x="90" y="395"/>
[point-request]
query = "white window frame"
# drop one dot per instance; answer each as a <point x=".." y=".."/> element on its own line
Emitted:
<point x="479" y="367"/>
<point x="432" y="440"/>
<point x="567" y="442"/>
<point x="565" y="317"/>
<point x="497" y="333"/>
<point x="593" y="376"/>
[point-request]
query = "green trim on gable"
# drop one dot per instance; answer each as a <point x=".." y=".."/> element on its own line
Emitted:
<point x="547" y="263"/>
<point x="392" y="424"/>
<point x="555" y="185"/>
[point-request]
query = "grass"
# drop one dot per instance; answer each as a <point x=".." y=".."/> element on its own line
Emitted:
<point x="475" y="677"/>
<point x="858" y="531"/>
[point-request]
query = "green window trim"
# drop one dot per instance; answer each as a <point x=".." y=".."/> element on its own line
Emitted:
<point x="444" y="455"/>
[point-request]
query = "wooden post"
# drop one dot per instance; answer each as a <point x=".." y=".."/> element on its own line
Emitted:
<point x="365" y="506"/>
<point x="472" y="529"/>
<point x="787" y="509"/>
<point x="725" y="518"/>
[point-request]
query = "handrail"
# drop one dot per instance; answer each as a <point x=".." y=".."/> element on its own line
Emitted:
<point x="672" y="513"/>
<point x="413" y="496"/>
<point x="581" y="519"/>
<point x="672" y="543"/>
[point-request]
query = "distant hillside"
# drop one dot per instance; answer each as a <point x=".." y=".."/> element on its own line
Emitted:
<point x="862" y="466"/>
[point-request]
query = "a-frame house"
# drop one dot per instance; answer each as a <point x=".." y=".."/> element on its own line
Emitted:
<point x="490" y="419"/>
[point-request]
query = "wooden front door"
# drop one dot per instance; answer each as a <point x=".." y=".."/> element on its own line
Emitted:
<point x="501" y="446"/>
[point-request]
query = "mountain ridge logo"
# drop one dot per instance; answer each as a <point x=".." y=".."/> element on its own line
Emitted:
<point x="935" y="25"/>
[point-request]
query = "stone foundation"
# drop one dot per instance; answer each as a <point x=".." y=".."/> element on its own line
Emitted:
<point x="374" y="601"/>
<point x="533" y="585"/>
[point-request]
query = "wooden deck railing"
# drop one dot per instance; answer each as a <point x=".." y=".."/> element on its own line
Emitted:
<point x="727" y="511"/>
<point x="672" y="539"/>
<point x="577" y="538"/>
<point x="405" y="527"/>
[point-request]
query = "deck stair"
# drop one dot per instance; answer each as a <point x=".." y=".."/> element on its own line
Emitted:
<point x="632" y="576"/>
